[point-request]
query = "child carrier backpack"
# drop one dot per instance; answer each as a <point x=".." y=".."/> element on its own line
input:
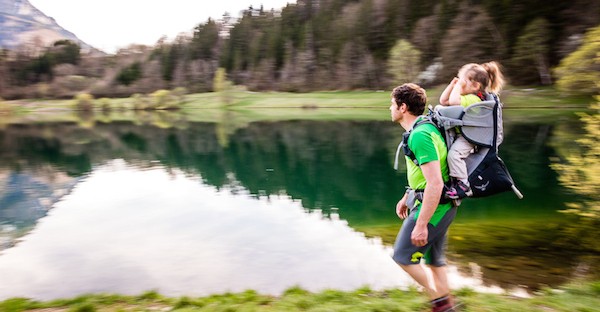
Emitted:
<point x="481" y="125"/>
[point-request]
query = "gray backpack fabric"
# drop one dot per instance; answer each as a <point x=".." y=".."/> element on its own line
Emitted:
<point x="480" y="124"/>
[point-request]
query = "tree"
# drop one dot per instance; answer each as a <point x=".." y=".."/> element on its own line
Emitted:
<point x="532" y="49"/>
<point x="222" y="86"/>
<point x="404" y="62"/>
<point x="204" y="42"/>
<point x="426" y="36"/>
<point x="66" y="51"/>
<point x="130" y="74"/>
<point x="580" y="71"/>
<point x="472" y="38"/>
<point x="220" y="80"/>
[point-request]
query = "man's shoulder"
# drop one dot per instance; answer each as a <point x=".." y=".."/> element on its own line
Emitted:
<point x="422" y="134"/>
<point x="424" y="128"/>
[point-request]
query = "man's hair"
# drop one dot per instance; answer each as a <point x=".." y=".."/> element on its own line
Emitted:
<point x="413" y="95"/>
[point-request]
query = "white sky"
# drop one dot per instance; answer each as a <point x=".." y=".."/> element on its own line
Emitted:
<point x="112" y="24"/>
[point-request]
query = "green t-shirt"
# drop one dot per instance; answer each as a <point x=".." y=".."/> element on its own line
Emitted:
<point x="427" y="144"/>
<point x="468" y="99"/>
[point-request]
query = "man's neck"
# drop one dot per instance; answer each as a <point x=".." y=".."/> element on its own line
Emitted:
<point x="408" y="121"/>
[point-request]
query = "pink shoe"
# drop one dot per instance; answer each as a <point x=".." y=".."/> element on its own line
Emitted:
<point x="459" y="190"/>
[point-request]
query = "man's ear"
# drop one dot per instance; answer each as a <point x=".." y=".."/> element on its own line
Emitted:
<point x="403" y="107"/>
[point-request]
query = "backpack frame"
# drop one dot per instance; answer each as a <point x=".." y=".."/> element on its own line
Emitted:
<point x="481" y="125"/>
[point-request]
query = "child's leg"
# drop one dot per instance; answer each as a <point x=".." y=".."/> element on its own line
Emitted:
<point x="460" y="149"/>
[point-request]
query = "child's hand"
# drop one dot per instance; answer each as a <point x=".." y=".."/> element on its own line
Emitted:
<point x="463" y="85"/>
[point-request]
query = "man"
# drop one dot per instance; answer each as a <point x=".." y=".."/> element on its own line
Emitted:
<point x="423" y="233"/>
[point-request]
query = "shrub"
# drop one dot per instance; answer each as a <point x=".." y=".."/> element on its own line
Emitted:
<point x="140" y="102"/>
<point x="84" y="102"/>
<point x="179" y="94"/>
<point x="165" y="99"/>
<point x="580" y="71"/>
<point x="161" y="99"/>
<point x="5" y="108"/>
<point x="105" y="105"/>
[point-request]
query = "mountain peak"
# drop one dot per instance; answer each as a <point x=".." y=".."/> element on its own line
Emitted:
<point x="21" y="24"/>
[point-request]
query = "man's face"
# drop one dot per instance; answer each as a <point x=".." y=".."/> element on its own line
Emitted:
<point x="395" y="111"/>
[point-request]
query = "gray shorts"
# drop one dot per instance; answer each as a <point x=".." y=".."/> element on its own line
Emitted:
<point x="406" y="253"/>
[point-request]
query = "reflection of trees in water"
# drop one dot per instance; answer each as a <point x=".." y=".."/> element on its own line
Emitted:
<point x="533" y="251"/>
<point x="528" y="252"/>
<point x="579" y="171"/>
<point x="547" y="250"/>
<point x="341" y="164"/>
<point x="326" y="164"/>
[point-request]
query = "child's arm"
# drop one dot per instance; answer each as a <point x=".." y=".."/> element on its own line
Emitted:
<point x="454" y="98"/>
<point x="445" y="97"/>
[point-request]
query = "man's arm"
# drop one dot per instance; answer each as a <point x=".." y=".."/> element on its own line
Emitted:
<point x="401" y="208"/>
<point x="431" y="199"/>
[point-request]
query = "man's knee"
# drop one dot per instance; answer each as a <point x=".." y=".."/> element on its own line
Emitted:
<point x="405" y="267"/>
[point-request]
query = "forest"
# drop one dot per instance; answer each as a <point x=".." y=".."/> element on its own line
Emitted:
<point x="315" y="45"/>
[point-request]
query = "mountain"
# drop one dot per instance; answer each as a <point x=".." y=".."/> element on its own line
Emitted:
<point x="22" y="23"/>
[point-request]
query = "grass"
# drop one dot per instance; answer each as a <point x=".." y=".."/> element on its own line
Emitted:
<point x="246" y="107"/>
<point x="582" y="296"/>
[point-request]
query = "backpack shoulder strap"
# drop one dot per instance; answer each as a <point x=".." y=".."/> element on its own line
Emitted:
<point x="404" y="144"/>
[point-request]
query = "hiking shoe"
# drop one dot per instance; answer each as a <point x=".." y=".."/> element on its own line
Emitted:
<point x="448" y="306"/>
<point x="459" y="190"/>
<point x="443" y="308"/>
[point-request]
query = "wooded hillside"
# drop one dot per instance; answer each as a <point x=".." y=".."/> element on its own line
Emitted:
<point x="320" y="45"/>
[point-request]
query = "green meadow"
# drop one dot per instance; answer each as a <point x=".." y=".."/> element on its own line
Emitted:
<point x="243" y="106"/>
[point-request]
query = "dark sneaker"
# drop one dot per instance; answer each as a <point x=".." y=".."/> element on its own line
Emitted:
<point x="448" y="306"/>
<point x="443" y="308"/>
<point x="459" y="190"/>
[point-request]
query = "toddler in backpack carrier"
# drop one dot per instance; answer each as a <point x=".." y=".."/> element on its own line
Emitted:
<point x="481" y="125"/>
<point x="472" y="86"/>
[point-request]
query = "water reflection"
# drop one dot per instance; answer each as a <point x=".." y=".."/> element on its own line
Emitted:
<point x="337" y="170"/>
<point x="125" y="229"/>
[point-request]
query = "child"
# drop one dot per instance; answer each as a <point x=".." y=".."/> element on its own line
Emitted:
<point x="470" y="87"/>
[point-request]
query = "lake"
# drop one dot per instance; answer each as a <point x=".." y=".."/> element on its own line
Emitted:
<point x="197" y="208"/>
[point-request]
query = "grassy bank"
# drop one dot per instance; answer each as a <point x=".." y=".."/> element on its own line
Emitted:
<point x="245" y="106"/>
<point x="574" y="297"/>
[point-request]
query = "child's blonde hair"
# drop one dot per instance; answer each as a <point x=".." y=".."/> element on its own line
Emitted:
<point x="488" y="75"/>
